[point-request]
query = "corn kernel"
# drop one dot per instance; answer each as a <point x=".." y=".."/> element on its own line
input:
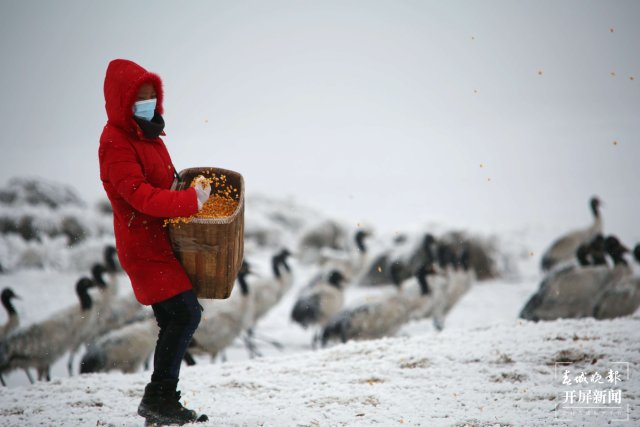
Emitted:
<point x="221" y="203"/>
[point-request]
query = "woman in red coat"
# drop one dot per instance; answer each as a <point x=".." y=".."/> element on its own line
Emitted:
<point x="137" y="173"/>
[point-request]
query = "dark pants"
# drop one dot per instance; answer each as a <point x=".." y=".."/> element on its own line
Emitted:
<point x="178" y="318"/>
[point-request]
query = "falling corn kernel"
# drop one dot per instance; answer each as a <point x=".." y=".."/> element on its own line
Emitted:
<point x="611" y="30"/>
<point x="379" y="269"/>
<point x="481" y="165"/>
<point x="530" y="253"/>
<point x="615" y="142"/>
<point x="221" y="204"/>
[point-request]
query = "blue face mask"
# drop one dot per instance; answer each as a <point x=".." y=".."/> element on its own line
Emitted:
<point x="145" y="109"/>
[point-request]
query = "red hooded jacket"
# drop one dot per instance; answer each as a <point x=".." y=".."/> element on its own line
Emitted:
<point x="137" y="173"/>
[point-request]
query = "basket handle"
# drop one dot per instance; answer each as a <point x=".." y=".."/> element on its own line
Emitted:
<point x="175" y="172"/>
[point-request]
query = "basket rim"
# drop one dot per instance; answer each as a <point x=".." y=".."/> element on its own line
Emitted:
<point x="225" y="220"/>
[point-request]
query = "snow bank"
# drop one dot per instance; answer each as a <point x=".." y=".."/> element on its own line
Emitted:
<point x="46" y="225"/>
<point x="37" y="191"/>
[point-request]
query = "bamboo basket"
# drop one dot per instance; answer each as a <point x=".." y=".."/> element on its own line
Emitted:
<point x="210" y="249"/>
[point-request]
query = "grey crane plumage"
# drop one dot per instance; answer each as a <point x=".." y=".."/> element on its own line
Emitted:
<point x="433" y="302"/>
<point x="459" y="278"/>
<point x="113" y="311"/>
<point x="224" y="320"/>
<point x="350" y="261"/>
<point x="574" y="292"/>
<point x="110" y="312"/>
<point x="124" y="349"/>
<point x="122" y="335"/>
<point x="268" y="291"/>
<point x="112" y="267"/>
<point x="40" y="344"/>
<point x="327" y="234"/>
<point x="564" y="248"/>
<point x="406" y="255"/>
<point x="422" y="254"/>
<point x="378" y="318"/>
<point x="587" y="255"/>
<point x="621" y="299"/>
<point x="317" y="304"/>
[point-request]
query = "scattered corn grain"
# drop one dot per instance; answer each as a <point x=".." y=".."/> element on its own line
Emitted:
<point x="222" y="203"/>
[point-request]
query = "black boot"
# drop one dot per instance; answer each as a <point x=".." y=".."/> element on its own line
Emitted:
<point x="150" y="402"/>
<point x="161" y="405"/>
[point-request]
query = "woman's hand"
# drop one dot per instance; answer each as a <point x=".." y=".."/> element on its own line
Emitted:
<point x="203" y="191"/>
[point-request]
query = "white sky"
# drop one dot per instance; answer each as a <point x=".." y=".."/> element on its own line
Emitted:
<point x="375" y="110"/>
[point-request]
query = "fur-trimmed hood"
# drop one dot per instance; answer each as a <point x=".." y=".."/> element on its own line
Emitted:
<point x="121" y="84"/>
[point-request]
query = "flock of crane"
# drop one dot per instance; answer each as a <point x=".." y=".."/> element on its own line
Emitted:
<point x="422" y="278"/>
<point x="581" y="281"/>
<point x="39" y="345"/>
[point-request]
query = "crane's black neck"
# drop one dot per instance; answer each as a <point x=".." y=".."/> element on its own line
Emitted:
<point x="335" y="280"/>
<point x="109" y="259"/>
<point x="429" y="255"/>
<point x="275" y="266"/>
<point x="465" y="259"/>
<point x="618" y="259"/>
<point x="97" y="272"/>
<point x="444" y="256"/>
<point x="82" y="289"/>
<point x="360" y="236"/>
<point x="581" y="254"/>
<point x="242" y="281"/>
<point x="394" y="272"/>
<point x="595" y="208"/>
<point x="277" y="262"/>
<point x="425" y="289"/>
<point x="8" y="305"/>
<point x="427" y="245"/>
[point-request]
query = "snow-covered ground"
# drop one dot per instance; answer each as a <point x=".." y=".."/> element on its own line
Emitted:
<point x="504" y="373"/>
<point x="485" y="368"/>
